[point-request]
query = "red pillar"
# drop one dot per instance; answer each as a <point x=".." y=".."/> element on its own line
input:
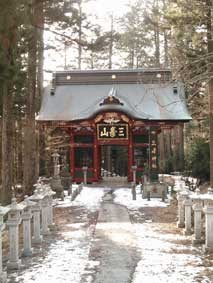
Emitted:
<point x="72" y="156"/>
<point x="96" y="158"/>
<point x="130" y="156"/>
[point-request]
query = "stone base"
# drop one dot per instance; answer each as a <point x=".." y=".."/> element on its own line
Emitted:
<point x="187" y="233"/>
<point x="52" y="227"/>
<point x="180" y="225"/>
<point x="27" y="253"/>
<point x="3" y="277"/>
<point x="207" y="249"/>
<point x="37" y="241"/>
<point x="196" y="242"/>
<point x="57" y="187"/>
<point x="11" y="265"/>
<point x="45" y="233"/>
<point x="156" y="190"/>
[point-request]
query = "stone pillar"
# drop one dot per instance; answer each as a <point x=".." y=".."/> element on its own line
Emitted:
<point x="50" y="194"/>
<point x="208" y="210"/>
<point x="26" y="218"/>
<point x="37" y="238"/>
<point x="84" y="168"/>
<point x="134" y="169"/>
<point x="37" y="198"/>
<point x="181" y="211"/>
<point x="3" y="211"/>
<point x="188" y="216"/>
<point x="44" y="215"/>
<point x="14" y="219"/>
<point x="197" y="207"/>
<point x="80" y="187"/>
<point x="133" y="191"/>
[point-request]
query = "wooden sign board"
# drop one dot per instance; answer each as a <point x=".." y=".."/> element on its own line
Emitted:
<point x="112" y="131"/>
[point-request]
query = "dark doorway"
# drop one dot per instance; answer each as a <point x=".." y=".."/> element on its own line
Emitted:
<point x="114" y="160"/>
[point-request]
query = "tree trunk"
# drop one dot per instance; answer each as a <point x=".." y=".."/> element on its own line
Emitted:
<point x="7" y="154"/>
<point x="80" y="36"/>
<point x="39" y="15"/>
<point x="210" y="83"/>
<point x="157" y="37"/>
<point x="29" y="130"/>
<point x="111" y="42"/>
<point x="165" y="35"/>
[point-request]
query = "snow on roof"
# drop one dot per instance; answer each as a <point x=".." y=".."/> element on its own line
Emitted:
<point x="156" y="101"/>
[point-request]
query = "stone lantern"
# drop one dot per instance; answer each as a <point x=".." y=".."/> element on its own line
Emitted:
<point x="37" y="198"/>
<point x="3" y="211"/>
<point x="55" y="157"/>
<point x="14" y="219"/>
<point x="26" y="217"/>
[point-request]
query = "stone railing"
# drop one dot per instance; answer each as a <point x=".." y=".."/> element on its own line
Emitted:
<point x="36" y="211"/>
<point x="195" y="215"/>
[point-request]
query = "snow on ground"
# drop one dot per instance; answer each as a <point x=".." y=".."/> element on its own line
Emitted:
<point x="164" y="255"/>
<point x="90" y="198"/>
<point x="65" y="261"/>
<point x="123" y="196"/>
<point x="68" y="254"/>
<point x="165" y="259"/>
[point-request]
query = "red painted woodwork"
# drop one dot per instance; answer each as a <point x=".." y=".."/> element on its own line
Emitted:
<point x="72" y="161"/>
<point x="135" y="128"/>
<point x="130" y="156"/>
<point x="96" y="158"/>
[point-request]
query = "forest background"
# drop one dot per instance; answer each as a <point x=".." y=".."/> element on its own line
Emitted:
<point x="174" y="34"/>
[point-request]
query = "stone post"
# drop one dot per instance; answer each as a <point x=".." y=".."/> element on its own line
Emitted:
<point x="3" y="211"/>
<point x="50" y="195"/>
<point x="44" y="215"/>
<point x="197" y="207"/>
<point x="134" y="169"/>
<point x="133" y="191"/>
<point x="26" y="218"/>
<point x="80" y="187"/>
<point x="208" y="210"/>
<point x="37" y="238"/>
<point x="14" y="219"/>
<point x="84" y="168"/>
<point x="181" y="211"/>
<point x="145" y="179"/>
<point x="148" y="192"/>
<point x="188" y="216"/>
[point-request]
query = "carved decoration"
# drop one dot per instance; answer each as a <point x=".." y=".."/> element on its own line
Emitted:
<point x="111" y="100"/>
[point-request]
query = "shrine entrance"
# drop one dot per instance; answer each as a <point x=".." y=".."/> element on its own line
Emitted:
<point x="114" y="161"/>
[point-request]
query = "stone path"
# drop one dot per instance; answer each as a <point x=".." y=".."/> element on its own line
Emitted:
<point x="113" y="247"/>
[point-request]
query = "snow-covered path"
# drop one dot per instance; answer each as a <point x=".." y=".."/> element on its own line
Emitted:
<point x="114" y="245"/>
<point x="147" y="249"/>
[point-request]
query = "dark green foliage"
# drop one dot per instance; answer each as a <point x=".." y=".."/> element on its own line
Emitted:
<point x="197" y="159"/>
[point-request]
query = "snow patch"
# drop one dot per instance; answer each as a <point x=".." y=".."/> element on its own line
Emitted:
<point x="123" y="196"/>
